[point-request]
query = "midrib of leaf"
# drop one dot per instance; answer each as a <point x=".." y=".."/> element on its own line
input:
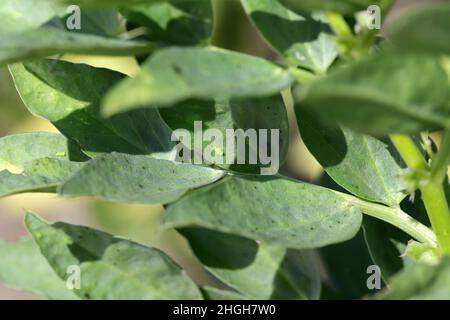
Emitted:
<point x="382" y="182"/>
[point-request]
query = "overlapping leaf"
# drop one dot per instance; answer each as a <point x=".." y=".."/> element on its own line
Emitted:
<point x="359" y="163"/>
<point x="391" y="93"/>
<point x="256" y="271"/>
<point x="341" y="6"/>
<point x="265" y="115"/>
<point x="423" y="29"/>
<point x="33" y="29"/>
<point x="23" y="267"/>
<point x="111" y="268"/>
<point x="420" y="281"/>
<point x="178" y="22"/>
<point x="68" y="95"/>
<point x="176" y="74"/>
<point x="36" y="162"/>
<point x="304" y="40"/>
<point x="137" y="179"/>
<point x="276" y="210"/>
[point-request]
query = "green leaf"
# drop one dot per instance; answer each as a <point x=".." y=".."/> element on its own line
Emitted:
<point x="17" y="150"/>
<point x="211" y="293"/>
<point x="346" y="268"/>
<point x="304" y="40"/>
<point x="36" y="162"/>
<point x="110" y="268"/>
<point x="256" y="271"/>
<point x="420" y="282"/>
<point x="359" y="163"/>
<point x="398" y="93"/>
<point x="384" y="242"/>
<point x="238" y="114"/>
<point x="271" y="209"/>
<point x="68" y="95"/>
<point x="21" y="15"/>
<point x="41" y="175"/>
<point x="179" y="22"/>
<point x="46" y="41"/>
<point x="101" y="22"/>
<point x="341" y="6"/>
<point x="423" y="29"/>
<point x="24" y="268"/>
<point x="172" y="75"/>
<point x="108" y="3"/>
<point x="137" y="179"/>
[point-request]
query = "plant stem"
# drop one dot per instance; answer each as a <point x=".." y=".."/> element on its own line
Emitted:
<point x="398" y="218"/>
<point x="409" y="152"/>
<point x="439" y="166"/>
<point x="436" y="204"/>
<point x="432" y="190"/>
<point x="339" y="25"/>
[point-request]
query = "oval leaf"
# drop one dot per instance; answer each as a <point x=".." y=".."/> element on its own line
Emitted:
<point x="280" y="211"/>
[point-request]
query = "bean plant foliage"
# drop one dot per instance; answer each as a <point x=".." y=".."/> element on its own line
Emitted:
<point x="366" y="103"/>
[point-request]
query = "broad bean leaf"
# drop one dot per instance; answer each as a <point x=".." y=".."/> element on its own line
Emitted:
<point x="359" y="163"/>
<point x="341" y="6"/>
<point x="420" y="282"/>
<point x="137" y="179"/>
<point x="176" y="74"/>
<point x="270" y="209"/>
<point x="178" y="22"/>
<point x="111" y="268"/>
<point x="256" y="271"/>
<point x="24" y="268"/>
<point x="46" y="41"/>
<point x="346" y="269"/>
<point x="304" y="40"/>
<point x="36" y="162"/>
<point x="68" y="95"/>
<point x="423" y="29"/>
<point x="233" y="115"/>
<point x="384" y="242"/>
<point x="19" y="149"/>
<point x="21" y="15"/>
<point x="41" y="175"/>
<point x="398" y="93"/>
<point x="102" y="22"/>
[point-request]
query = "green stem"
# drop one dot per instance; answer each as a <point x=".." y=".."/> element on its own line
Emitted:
<point x="436" y="204"/>
<point x="439" y="166"/>
<point x="409" y="152"/>
<point x="302" y="76"/>
<point x="398" y="218"/>
<point x="432" y="189"/>
<point x="339" y="25"/>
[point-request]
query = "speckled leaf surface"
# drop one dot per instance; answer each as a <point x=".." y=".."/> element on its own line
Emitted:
<point x="137" y="179"/>
<point x="176" y="74"/>
<point x="357" y="162"/>
<point x="276" y="210"/>
<point x="111" y="268"/>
